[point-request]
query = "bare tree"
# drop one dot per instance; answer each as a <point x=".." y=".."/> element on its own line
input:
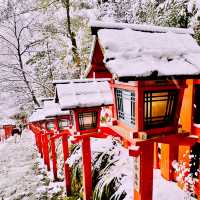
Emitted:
<point x="17" y="43"/>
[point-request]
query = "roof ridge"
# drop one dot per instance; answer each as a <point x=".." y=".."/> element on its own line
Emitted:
<point x="96" y="25"/>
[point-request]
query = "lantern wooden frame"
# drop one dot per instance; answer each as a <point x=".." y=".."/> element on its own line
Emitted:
<point x="139" y="88"/>
<point x="78" y="111"/>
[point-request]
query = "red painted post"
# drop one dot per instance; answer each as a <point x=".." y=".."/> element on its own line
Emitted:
<point x="66" y="166"/>
<point x="54" y="159"/>
<point x="143" y="173"/>
<point x="47" y="152"/>
<point x="87" y="171"/>
<point x="43" y="147"/>
<point x="40" y="143"/>
<point x="169" y="152"/>
<point x="156" y="157"/>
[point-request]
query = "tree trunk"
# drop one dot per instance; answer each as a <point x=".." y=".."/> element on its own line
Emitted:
<point x="72" y="36"/>
<point x="24" y="75"/>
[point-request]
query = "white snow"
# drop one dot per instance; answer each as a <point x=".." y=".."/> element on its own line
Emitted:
<point x="49" y="109"/>
<point x="196" y="125"/>
<point x="37" y="115"/>
<point x="18" y="179"/>
<point x="7" y="121"/>
<point x="52" y="109"/>
<point x="165" y="190"/>
<point x="134" y="53"/>
<point x="83" y="93"/>
<point x="140" y="27"/>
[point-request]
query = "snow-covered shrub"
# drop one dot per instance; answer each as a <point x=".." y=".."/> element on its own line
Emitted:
<point x="187" y="179"/>
<point x="75" y="163"/>
<point x="111" y="167"/>
<point x="60" y="159"/>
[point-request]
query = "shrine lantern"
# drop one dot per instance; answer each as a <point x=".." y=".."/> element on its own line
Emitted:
<point x="50" y="125"/>
<point x="37" y="118"/>
<point x="8" y="125"/>
<point x="56" y="119"/>
<point x="84" y="98"/>
<point x="150" y="108"/>
<point x="149" y="66"/>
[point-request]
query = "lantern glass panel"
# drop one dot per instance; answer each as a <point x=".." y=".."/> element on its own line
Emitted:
<point x="159" y="108"/>
<point x="87" y="120"/>
<point x="197" y="105"/>
<point x="50" y="125"/>
<point x="125" y="106"/>
<point x="63" y="124"/>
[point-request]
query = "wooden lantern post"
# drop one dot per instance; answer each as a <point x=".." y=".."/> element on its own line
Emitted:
<point x="139" y="76"/>
<point x="148" y="123"/>
<point x="87" y="121"/>
<point x="34" y="126"/>
<point x="46" y="133"/>
<point x="67" y="170"/>
<point x="62" y="125"/>
<point x="156" y="156"/>
<point x="84" y="98"/>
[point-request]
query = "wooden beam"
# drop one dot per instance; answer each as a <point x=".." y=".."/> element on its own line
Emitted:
<point x="156" y="77"/>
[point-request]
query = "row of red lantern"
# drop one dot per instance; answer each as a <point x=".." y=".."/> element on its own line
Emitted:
<point x="46" y="133"/>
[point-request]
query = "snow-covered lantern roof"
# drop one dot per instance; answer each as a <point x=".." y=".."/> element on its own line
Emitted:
<point x="131" y="51"/>
<point x="7" y="122"/>
<point x="149" y="65"/>
<point x="84" y="98"/>
<point x="37" y="115"/>
<point x="53" y="111"/>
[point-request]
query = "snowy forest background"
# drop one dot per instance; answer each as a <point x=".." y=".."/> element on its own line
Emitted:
<point x="44" y="40"/>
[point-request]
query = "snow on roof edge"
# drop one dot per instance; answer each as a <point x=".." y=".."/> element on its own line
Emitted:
<point x="90" y="57"/>
<point x="55" y="82"/>
<point x="84" y="93"/>
<point x="140" y="27"/>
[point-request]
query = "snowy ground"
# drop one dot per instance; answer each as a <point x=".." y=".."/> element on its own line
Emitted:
<point x="167" y="190"/>
<point x="18" y="178"/>
<point x="22" y="175"/>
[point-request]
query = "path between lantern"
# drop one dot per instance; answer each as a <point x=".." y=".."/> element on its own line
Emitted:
<point x="18" y="179"/>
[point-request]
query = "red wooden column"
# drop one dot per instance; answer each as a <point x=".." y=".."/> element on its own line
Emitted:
<point x="143" y="172"/>
<point x="54" y="158"/>
<point x="186" y="114"/>
<point x="66" y="166"/>
<point x="46" y="150"/>
<point x="169" y="152"/>
<point x="156" y="158"/>
<point x="40" y="142"/>
<point x="43" y="147"/>
<point x="87" y="171"/>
